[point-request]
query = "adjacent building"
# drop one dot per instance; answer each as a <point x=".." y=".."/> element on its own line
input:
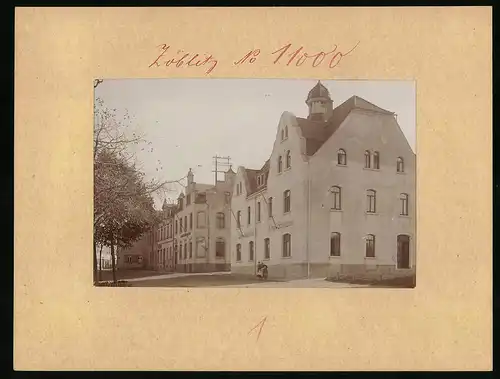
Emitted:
<point x="198" y="230"/>
<point x="336" y="197"/>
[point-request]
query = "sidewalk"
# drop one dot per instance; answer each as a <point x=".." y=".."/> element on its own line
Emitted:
<point x="299" y="283"/>
<point x="177" y="275"/>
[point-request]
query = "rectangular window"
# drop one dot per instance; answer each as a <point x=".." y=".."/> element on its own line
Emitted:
<point x="188" y="200"/>
<point x="335" y="245"/>
<point x="286" y="201"/>
<point x="200" y="247"/>
<point x="200" y="220"/>
<point x="270" y="207"/>
<point x="191" y="220"/>
<point x="250" y="251"/>
<point x="249" y="215"/>
<point x="220" y="248"/>
<point x="376" y="160"/>
<point x="238" y="219"/>
<point x="181" y="229"/>
<point x="220" y="220"/>
<point x="238" y="253"/>
<point x="267" y="248"/>
<point x="176" y="227"/>
<point x="370" y="246"/>
<point x="287" y="245"/>
<point x="185" y="223"/>
<point x="190" y="249"/>
<point x="258" y="211"/>
<point x="185" y="250"/>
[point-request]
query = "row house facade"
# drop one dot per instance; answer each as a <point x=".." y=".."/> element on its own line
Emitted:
<point x="336" y="197"/>
<point x="195" y="233"/>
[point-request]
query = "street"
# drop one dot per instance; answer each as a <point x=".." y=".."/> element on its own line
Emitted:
<point x="228" y="280"/>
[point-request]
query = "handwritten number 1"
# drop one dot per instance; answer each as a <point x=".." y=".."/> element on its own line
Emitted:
<point x="261" y="323"/>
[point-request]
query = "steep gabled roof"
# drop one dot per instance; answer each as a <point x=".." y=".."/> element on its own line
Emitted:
<point x="252" y="184"/>
<point x="317" y="133"/>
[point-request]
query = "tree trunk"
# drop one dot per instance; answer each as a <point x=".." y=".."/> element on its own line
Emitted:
<point x="95" y="261"/>
<point x="100" y="262"/>
<point x="113" y="261"/>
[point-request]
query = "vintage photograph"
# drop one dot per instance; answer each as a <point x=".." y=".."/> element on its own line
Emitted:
<point x="254" y="183"/>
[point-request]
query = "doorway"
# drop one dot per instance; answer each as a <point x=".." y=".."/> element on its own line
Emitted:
<point x="403" y="251"/>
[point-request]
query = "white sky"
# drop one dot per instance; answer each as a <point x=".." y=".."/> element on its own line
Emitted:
<point x="188" y="121"/>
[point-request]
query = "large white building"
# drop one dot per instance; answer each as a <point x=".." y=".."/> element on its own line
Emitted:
<point x="336" y="197"/>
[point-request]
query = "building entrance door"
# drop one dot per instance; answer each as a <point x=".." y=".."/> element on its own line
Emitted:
<point x="403" y="251"/>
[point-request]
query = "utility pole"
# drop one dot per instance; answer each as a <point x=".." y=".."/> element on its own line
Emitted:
<point x="218" y="162"/>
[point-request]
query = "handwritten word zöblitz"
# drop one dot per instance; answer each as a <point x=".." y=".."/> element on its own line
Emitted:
<point x="185" y="59"/>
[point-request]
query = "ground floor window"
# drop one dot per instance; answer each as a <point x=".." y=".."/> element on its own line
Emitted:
<point x="250" y="251"/>
<point x="335" y="245"/>
<point x="220" y="248"/>
<point x="287" y="245"/>
<point x="238" y="252"/>
<point x="370" y="246"/>
<point x="267" y="248"/>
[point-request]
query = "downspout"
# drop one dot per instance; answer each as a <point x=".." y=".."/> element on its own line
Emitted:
<point x="308" y="224"/>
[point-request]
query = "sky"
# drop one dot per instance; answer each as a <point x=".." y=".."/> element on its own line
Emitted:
<point x="188" y="121"/>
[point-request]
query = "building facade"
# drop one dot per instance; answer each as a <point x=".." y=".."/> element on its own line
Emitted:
<point x="200" y="226"/>
<point x="139" y="255"/>
<point x="336" y="197"/>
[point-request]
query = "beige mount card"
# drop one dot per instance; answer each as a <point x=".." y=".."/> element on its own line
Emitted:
<point x="302" y="57"/>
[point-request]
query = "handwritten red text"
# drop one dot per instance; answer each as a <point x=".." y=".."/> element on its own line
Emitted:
<point x="183" y="59"/>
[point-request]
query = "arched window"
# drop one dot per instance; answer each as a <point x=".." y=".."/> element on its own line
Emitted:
<point x="341" y="157"/>
<point x="367" y="159"/>
<point x="270" y="207"/>
<point x="282" y="134"/>
<point x="287" y="245"/>
<point x="336" y="194"/>
<point x="249" y="215"/>
<point x="286" y="201"/>
<point x="370" y="246"/>
<point x="250" y="251"/>
<point x="220" y="247"/>
<point x="180" y="251"/>
<point x="280" y="164"/>
<point x="404" y="204"/>
<point x="335" y="245"/>
<point x="371" y="201"/>
<point x="238" y="252"/>
<point x="267" y="248"/>
<point x="376" y="160"/>
<point x="258" y="211"/>
<point x="400" y="166"/>
<point x="288" y="159"/>
<point x="190" y="249"/>
<point x="220" y="220"/>
<point x="286" y="131"/>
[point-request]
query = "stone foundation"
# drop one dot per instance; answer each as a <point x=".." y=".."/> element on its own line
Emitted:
<point x="325" y="270"/>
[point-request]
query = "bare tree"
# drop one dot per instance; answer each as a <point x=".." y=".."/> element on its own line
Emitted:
<point x="123" y="205"/>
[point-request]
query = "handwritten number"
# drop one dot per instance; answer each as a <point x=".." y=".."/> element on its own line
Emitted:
<point x="261" y="323"/>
